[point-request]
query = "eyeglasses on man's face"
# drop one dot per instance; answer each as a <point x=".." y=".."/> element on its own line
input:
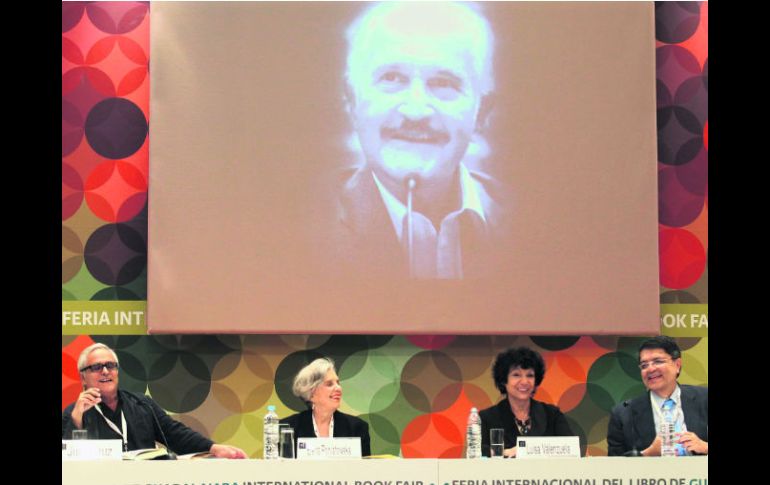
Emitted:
<point x="653" y="363"/>
<point x="99" y="366"/>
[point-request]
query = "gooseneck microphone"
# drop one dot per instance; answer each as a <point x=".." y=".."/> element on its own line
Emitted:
<point x="633" y="451"/>
<point x="411" y="183"/>
<point x="171" y="454"/>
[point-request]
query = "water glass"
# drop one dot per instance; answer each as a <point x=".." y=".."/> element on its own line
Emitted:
<point x="496" y="443"/>
<point x="286" y="443"/>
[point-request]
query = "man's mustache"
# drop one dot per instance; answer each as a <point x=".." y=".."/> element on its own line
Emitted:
<point x="415" y="132"/>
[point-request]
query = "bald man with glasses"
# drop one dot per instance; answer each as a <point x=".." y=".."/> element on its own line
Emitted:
<point x="633" y="424"/>
<point x="107" y="412"/>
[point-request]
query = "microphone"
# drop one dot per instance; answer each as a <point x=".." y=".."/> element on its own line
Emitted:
<point x="633" y="451"/>
<point x="171" y="455"/>
<point x="411" y="183"/>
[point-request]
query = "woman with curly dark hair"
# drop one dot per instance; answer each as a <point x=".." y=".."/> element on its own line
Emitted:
<point x="517" y="373"/>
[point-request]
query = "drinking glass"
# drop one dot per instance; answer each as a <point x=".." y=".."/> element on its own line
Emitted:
<point x="496" y="443"/>
<point x="286" y="443"/>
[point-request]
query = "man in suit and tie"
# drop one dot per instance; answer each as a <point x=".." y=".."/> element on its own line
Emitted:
<point x="633" y="424"/>
<point x="418" y="91"/>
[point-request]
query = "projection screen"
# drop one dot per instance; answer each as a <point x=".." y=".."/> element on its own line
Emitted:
<point x="325" y="167"/>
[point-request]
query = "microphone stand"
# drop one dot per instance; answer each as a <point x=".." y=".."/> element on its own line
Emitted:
<point x="171" y="455"/>
<point x="633" y="451"/>
<point x="411" y="183"/>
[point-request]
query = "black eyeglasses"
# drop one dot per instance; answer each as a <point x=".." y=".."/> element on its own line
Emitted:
<point x="98" y="367"/>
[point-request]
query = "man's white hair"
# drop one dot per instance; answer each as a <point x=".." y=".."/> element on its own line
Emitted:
<point x="83" y="358"/>
<point x="455" y="21"/>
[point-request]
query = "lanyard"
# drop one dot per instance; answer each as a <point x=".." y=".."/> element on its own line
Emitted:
<point x="124" y="434"/>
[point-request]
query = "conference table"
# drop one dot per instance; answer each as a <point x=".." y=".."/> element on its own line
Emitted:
<point x="426" y="471"/>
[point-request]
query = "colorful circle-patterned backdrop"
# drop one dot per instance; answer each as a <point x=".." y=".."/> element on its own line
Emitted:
<point x="414" y="391"/>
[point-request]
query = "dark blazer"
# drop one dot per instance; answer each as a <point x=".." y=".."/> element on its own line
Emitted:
<point x="142" y="428"/>
<point x="360" y="240"/>
<point x="632" y="425"/>
<point x="547" y="420"/>
<point x="345" y="426"/>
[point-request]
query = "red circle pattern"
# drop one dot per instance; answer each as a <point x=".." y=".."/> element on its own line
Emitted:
<point x="682" y="258"/>
<point x="105" y="54"/>
<point x="683" y="249"/>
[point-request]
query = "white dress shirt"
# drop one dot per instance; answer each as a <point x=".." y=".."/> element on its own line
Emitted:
<point x="438" y="254"/>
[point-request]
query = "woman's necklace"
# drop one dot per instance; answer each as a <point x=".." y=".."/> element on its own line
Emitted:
<point x="523" y="425"/>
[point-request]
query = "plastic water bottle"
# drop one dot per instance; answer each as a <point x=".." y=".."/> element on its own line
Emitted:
<point x="473" y="435"/>
<point x="270" y="430"/>
<point x="667" y="444"/>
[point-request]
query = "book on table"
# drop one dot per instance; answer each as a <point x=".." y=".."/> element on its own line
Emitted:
<point x="157" y="453"/>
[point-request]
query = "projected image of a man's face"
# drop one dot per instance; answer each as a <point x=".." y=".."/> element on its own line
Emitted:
<point x="416" y="73"/>
<point x="415" y="110"/>
<point x="419" y="76"/>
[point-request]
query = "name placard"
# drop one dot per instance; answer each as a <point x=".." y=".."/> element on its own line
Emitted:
<point x="91" y="450"/>
<point x="547" y="447"/>
<point x="328" y="448"/>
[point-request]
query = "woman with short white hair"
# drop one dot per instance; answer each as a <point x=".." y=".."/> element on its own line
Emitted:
<point x="318" y="385"/>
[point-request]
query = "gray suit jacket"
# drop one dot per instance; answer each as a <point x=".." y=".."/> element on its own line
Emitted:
<point x="632" y="426"/>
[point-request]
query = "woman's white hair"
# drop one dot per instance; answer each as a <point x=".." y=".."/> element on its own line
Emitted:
<point x="310" y="377"/>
